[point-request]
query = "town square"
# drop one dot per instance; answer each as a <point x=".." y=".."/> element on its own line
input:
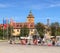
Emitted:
<point x="29" y="26"/>
<point x="17" y="48"/>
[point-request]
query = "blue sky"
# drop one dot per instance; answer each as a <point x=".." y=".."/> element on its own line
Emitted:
<point x="41" y="9"/>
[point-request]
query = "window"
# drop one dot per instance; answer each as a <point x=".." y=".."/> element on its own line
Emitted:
<point x="31" y="25"/>
<point x="17" y="25"/>
<point x="17" y="30"/>
<point x="20" y="25"/>
<point x="25" y="25"/>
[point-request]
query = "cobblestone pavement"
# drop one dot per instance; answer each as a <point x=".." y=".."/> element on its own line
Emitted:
<point x="5" y="47"/>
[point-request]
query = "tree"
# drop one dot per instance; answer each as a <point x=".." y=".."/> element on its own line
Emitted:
<point x="24" y="31"/>
<point x="10" y="31"/>
<point x="1" y="33"/>
<point x="55" y="29"/>
<point x="58" y="31"/>
<point x="40" y="28"/>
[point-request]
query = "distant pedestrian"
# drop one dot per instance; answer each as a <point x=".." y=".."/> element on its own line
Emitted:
<point x="10" y="41"/>
<point x="53" y="41"/>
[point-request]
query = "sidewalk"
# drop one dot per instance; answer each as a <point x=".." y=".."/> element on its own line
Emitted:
<point x="3" y="40"/>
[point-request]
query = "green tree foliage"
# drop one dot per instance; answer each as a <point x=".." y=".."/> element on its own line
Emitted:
<point x="40" y="28"/>
<point x="55" y="29"/>
<point x="24" y="31"/>
<point x="9" y="32"/>
<point x="58" y="31"/>
<point x="1" y="33"/>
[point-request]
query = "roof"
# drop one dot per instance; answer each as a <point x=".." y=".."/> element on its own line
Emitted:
<point x="30" y="15"/>
<point x="20" y="25"/>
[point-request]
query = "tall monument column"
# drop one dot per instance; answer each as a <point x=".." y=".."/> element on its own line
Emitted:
<point x="48" y="22"/>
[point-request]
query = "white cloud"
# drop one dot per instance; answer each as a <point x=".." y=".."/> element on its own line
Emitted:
<point x="54" y="5"/>
<point x="26" y="4"/>
<point x="6" y="5"/>
<point x="44" y="5"/>
<point x="3" y="5"/>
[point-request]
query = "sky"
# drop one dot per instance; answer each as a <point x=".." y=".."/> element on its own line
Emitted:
<point x="42" y="10"/>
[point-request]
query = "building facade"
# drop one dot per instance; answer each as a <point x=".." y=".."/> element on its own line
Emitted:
<point x="29" y="24"/>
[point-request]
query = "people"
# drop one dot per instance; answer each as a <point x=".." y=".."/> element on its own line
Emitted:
<point x="53" y="41"/>
<point x="10" y="41"/>
<point x="35" y="39"/>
